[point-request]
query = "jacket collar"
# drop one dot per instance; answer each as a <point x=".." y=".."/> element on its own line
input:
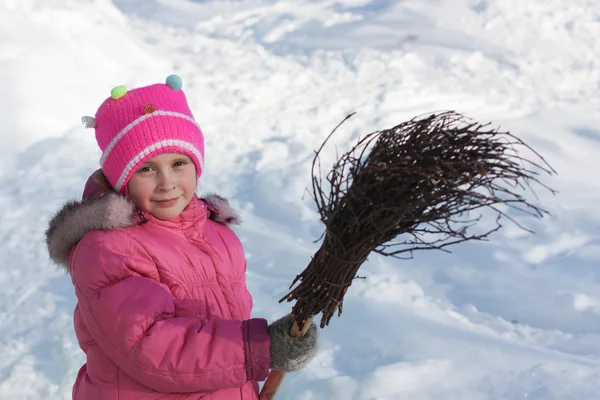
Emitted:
<point x="195" y="213"/>
<point x="110" y="210"/>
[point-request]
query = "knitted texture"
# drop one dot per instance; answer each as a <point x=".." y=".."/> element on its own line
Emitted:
<point x="287" y="352"/>
<point x="142" y="124"/>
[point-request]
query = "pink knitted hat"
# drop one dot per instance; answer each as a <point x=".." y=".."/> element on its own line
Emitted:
<point x="136" y="125"/>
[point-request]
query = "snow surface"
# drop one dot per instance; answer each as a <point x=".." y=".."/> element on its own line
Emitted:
<point x="517" y="317"/>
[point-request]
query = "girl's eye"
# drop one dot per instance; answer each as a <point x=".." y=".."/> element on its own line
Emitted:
<point x="179" y="163"/>
<point x="145" y="169"/>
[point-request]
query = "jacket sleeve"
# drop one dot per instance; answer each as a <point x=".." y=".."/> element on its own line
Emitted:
<point x="132" y="318"/>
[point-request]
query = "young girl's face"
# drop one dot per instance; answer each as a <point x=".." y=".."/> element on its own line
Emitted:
<point x="164" y="185"/>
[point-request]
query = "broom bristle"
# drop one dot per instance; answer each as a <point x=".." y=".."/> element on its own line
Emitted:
<point x="417" y="182"/>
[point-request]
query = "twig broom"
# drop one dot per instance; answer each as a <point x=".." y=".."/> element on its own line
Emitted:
<point x="417" y="182"/>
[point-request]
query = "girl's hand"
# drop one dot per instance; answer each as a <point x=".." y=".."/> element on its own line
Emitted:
<point x="287" y="352"/>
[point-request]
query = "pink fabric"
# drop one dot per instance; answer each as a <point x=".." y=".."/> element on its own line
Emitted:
<point x="172" y="133"/>
<point x="164" y="313"/>
<point x="95" y="185"/>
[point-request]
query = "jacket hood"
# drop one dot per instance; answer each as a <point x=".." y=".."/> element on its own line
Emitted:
<point x="108" y="211"/>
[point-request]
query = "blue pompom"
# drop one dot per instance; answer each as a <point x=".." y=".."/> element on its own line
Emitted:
<point x="174" y="82"/>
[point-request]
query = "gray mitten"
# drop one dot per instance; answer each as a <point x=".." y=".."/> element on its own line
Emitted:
<point x="287" y="352"/>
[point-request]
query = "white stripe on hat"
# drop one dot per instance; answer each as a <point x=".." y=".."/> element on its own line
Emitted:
<point x="133" y="123"/>
<point x="156" y="146"/>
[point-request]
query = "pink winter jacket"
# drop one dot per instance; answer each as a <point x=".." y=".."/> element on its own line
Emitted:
<point x="163" y="310"/>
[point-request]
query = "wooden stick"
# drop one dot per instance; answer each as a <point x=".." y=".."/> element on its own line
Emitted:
<point x="275" y="377"/>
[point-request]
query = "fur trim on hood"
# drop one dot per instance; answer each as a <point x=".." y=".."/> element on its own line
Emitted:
<point x="109" y="211"/>
<point x="221" y="211"/>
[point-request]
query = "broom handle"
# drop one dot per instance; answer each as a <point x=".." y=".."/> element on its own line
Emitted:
<point x="275" y="377"/>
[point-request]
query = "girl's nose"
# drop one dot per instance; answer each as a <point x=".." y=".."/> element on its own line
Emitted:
<point x="166" y="181"/>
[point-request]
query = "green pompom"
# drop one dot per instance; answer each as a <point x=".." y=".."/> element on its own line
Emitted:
<point x="174" y="82"/>
<point x="118" y="91"/>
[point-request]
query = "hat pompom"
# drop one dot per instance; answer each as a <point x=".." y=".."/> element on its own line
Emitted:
<point x="174" y="82"/>
<point x="118" y="91"/>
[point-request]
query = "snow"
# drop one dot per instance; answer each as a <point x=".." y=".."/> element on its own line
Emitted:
<point x="517" y="317"/>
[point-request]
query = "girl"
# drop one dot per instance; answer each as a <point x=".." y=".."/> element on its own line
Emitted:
<point x="162" y="311"/>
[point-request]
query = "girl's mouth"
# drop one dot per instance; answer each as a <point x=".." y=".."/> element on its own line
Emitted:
<point x="166" y="203"/>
